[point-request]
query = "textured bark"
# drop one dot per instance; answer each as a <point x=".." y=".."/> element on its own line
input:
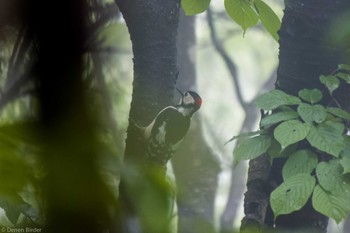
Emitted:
<point x="153" y="31"/>
<point x="256" y="198"/>
<point x="305" y="54"/>
<point x="195" y="166"/>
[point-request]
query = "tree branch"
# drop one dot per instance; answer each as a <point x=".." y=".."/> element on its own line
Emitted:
<point x="228" y="61"/>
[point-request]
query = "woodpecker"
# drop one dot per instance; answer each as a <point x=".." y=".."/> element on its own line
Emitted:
<point x="165" y="133"/>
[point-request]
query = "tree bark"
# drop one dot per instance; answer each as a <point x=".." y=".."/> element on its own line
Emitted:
<point x="195" y="166"/>
<point x="153" y="31"/>
<point x="305" y="54"/>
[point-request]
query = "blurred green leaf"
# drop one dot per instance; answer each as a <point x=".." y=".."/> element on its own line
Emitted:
<point x="242" y="13"/>
<point x="13" y="206"/>
<point x="193" y="7"/>
<point x="268" y="18"/>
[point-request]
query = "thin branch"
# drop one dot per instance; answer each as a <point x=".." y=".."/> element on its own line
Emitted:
<point x="13" y="92"/>
<point x="21" y="47"/>
<point x="228" y="61"/>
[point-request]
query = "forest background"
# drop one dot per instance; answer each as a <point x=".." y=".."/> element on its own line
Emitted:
<point x="63" y="138"/>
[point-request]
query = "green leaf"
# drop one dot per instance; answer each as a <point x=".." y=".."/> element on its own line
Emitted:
<point x="344" y="76"/>
<point x="344" y="67"/>
<point x="311" y="95"/>
<point x="244" y="135"/>
<point x="268" y="18"/>
<point x="242" y="13"/>
<point x="13" y="206"/>
<point x="193" y="7"/>
<point x="312" y="113"/>
<point x="292" y="194"/>
<point x="330" y="175"/>
<point x="330" y="81"/>
<point x="276" y="151"/>
<point x="345" y="155"/>
<point x="302" y="161"/>
<point x="327" y="137"/>
<point x="339" y="113"/>
<point x="274" y="99"/>
<point x="333" y="205"/>
<point x="278" y="117"/>
<point x="290" y="132"/>
<point x="345" y="162"/>
<point x="252" y="147"/>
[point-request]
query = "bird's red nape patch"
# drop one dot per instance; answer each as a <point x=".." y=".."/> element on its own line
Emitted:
<point x="198" y="101"/>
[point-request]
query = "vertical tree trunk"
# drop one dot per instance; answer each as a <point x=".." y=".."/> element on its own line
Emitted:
<point x="153" y="30"/>
<point x="77" y="200"/>
<point x="305" y="54"/>
<point x="195" y="166"/>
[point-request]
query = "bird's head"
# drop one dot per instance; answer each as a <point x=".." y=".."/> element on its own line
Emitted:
<point x="190" y="99"/>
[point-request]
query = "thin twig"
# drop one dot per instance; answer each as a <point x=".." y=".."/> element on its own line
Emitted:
<point x="228" y="61"/>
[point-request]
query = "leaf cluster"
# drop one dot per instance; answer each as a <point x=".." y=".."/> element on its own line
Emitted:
<point x="246" y="13"/>
<point x="314" y="140"/>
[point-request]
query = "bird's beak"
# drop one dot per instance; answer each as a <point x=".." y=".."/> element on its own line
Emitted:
<point x="181" y="93"/>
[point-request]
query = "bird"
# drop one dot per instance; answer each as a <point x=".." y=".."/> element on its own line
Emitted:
<point x="168" y="129"/>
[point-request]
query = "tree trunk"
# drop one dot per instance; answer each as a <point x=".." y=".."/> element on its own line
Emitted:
<point x="305" y="54"/>
<point x="76" y="198"/>
<point x="195" y="166"/>
<point x="153" y="30"/>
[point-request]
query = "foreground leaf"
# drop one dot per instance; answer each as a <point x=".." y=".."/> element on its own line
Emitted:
<point x="312" y="113"/>
<point x="268" y="18"/>
<point x="330" y="175"/>
<point x="327" y="137"/>
<point x="292" y="194"/>
<point x="302" y="161"/>
<point x="252" y="147"/>
<point x="192" y="7"/>
<point x="274" y="99"/>
<point x="245" y="135"/>
<point x="339" y="113"/>
<point x="331" y="82"/>
<point x="278" y="117"/>
<point x="344" y="67"/>
<point x="290" y="132"/>
<point x="333" y="205"/>
<point x="311" y="95"/>
<point x="344" y="76"/>
<point x="242" y="13"/>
